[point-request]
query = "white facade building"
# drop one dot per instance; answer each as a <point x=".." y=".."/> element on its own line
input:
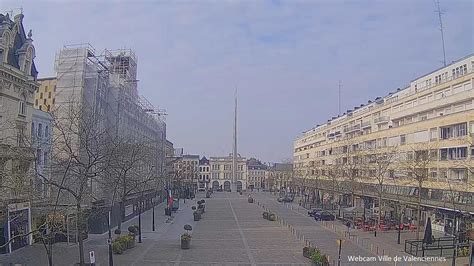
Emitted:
<point x="221" y="173"/>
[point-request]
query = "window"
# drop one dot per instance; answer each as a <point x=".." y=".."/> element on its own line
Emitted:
<point x="40" y="130"/>
<point x="22" y="105"/>
<point x="402" y="139"/>
<point x="39" y="160"/>
<point x="45" y="158"/>
<point x="32" y="130"/>
<point x="433" y="133"/>
<point x="458" y="174"/>
<point x="428" y="83"/>
<point x="453" y="131"/>
<point x="46" y="131"/>
<point x="458" y="153"/>
<point x="49" y="95"/>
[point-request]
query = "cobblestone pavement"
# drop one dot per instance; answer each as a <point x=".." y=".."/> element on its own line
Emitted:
<point x="324" y="235"/>
<point x="231" y="232"/>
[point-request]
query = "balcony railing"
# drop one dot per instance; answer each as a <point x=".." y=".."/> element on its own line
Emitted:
<point x="352" y="128"/>
<point x="366" y="124"/>
<point x="381" y="119"/>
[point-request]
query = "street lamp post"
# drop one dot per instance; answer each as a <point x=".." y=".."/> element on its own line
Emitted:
<point x="153" y="215"/>
<point x="339" y="242"/>
<point x="109" y="242"/>
<point x="140" y="220"/>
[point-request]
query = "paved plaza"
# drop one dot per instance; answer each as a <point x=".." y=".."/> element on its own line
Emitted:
<point x="231" y="232"/>
<point x="324" y="235"/>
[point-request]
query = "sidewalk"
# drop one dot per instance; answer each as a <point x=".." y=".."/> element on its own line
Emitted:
<point x="384" y="244"/>
<point x="64" y="254"/>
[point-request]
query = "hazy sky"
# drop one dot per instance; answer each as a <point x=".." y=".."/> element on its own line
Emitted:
<point x="285" y="58"/>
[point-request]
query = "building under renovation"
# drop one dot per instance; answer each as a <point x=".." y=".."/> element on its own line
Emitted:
<point x="102" y="90"/>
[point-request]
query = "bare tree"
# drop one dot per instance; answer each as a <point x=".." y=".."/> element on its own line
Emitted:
<point x="351" y="158"/>
<point x="332" y="172"/>
<point x="417" y="164"/>
<point x="379" y="162"/>
<point x="21" y="178"/>
<point x="79" y="158"/>
<point x="301" y="177"/>
<point x="127" y="155"/>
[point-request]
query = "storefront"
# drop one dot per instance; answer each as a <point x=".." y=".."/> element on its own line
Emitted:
<point x="450" y="222"/>
<point x="16" y="227"/>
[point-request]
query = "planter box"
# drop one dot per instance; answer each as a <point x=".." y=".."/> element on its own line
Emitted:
<point x="185" y="244"/>
<point x="197" y="216"/>
<point x="307" y="251"/>
<point x="250" y="200"/>
<point x="265" y="215"/>
<point x="272" y="217"/>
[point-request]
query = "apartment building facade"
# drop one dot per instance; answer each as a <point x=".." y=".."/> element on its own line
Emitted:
<point x="256" y="174"/>
<point x="186" y="171"/>
<point x="221" y="173"/>
<point x="45" y="97"/>
<point x="428" y="127"/>
<point x="204" y="174"/>
<point x="279" y="177"/>
<point x="42" y="135"/>
<point x="18" y="83"/>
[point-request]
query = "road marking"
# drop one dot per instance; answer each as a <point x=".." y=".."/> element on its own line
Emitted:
<point x="246" y="245"/>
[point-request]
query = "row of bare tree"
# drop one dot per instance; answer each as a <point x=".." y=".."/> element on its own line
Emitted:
<point x="91" y="161"/>
<point x="353" y="168"/>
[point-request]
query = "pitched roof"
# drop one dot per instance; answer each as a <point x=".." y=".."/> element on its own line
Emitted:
<point x="19" y="42"/>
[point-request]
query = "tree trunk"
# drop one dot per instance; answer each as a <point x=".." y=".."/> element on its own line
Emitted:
<point x="418" y="223"/>
<point x="50" y="255"/>
<point x="379" y="218"/>
<point x="50" y="259"/>
<point x="79" y="234"/>
<point x="121" y="214"/>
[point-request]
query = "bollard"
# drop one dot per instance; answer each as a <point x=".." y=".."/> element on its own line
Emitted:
<point x="383" y="252"/>
<point x="377" y="250"/>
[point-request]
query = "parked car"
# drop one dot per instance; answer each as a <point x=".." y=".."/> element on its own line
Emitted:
<point x="312" y="212"/>
<point x="288" y="199"/>
<point x="324" y="216"/>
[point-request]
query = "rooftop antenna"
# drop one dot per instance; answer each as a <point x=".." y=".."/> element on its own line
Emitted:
<point x="339" y="99"/>
<point x="441" y="28"/>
